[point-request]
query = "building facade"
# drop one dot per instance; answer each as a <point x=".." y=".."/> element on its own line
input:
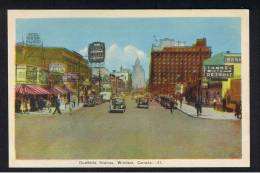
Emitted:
<point x="174" y="68"/>
<point x="117" y="84"/>
<point x="225" y="69"/>
<point x="126" y="76"/>
<point x="50" y="66"/>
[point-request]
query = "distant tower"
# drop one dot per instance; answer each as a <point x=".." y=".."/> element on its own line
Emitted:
<point x="138" y="75"/>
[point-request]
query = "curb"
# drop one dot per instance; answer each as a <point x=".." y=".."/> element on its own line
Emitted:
<point x="204" y="117"/>
<point x="47" y="114"/>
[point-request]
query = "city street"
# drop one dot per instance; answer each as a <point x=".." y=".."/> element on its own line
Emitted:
<point x="154" y="133"/>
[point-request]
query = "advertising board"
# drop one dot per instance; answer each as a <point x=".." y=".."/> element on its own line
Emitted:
<point x="96" y="52"/>
<point x="218" y="72"/>
<point x="57" y="68"/>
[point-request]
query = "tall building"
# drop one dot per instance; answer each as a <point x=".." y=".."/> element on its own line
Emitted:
<point x="173" y="68"/>
<point x="138" y="78"/>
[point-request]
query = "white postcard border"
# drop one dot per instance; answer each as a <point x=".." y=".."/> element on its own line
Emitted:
<point x="243" y="14"/>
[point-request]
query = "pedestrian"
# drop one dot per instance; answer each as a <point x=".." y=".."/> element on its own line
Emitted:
<point x="28" y="106"/>
<point x="48" y="105"/>
<point x="214" y="102"/>
<point x="238" y="110"/>
<point x="172" y="105"/>
<point x="74" y="101"/>
<point x="17" y="104"/>
<point x="68" y="100"/>
<point x="57" y="105"/>
<point x="224" y="104"/>
<point x="22" y="106"/>
<point x="198" y="106"/>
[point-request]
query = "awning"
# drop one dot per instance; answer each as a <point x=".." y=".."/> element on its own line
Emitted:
<point x="69" y="89"/>
<point x="31" y="89"/>
<point x="59" y="90"/>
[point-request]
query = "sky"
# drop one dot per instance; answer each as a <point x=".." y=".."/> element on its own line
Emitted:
<point x="129" y="38"/>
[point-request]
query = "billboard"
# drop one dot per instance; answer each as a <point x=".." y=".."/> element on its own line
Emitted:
<point x="70" y="77"/>
<point x="218" y="72"/>
<point x="96" y="52"/>
<point x="56" y="68"/>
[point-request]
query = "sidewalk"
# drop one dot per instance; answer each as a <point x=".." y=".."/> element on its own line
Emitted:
<point x="207" y="113"/>
<point x="46" y="112"/>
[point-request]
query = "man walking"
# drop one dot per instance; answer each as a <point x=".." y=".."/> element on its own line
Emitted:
<point x="224" y="104"/>
<point x="172" y="105"/>
<point x="238" y="110"/>
<point x="57" y="105"/>
<point x="198" y="106"/>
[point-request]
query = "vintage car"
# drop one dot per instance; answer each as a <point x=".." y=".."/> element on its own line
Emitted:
<point x="117" y="105"/>
<point x="143" y="103"/>
<point x="98" y="99"/>
<point x="89" y="102"/>
<point x="168" y="102"/>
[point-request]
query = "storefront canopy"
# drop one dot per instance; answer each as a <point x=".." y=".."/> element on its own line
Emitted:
<point x="69" y="89"/>
<point x="59" y="90"/>
<point x="31" y="89"/>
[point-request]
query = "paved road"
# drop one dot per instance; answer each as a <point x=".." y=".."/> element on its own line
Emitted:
<point x="154" y="133"/>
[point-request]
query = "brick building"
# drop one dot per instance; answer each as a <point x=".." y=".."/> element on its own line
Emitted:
<point x="174" y="68"/>
<point x="117" y="84"/>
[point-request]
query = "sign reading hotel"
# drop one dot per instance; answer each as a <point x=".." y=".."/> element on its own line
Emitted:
<point x="56" y="68"/>
<point x="219" y="72"/>
<point x="33" y="39"/>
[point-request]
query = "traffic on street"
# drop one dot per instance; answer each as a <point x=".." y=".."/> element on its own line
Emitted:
<point x="95" y="133"/>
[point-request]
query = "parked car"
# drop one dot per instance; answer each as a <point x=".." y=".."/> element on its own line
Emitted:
<point x="89" y="102"/>
<point x="117" y="105"/>
<point x="143" y="103"/>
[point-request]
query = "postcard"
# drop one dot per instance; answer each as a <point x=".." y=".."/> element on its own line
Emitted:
<point x="128" y="88"/>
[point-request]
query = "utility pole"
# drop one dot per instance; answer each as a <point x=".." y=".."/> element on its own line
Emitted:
<point x="99" y="79"/>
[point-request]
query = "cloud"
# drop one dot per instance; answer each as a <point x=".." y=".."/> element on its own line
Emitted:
<point x="132" y="51"/>
<point x="84" y="51"/>
<point x="117" y="56"/>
